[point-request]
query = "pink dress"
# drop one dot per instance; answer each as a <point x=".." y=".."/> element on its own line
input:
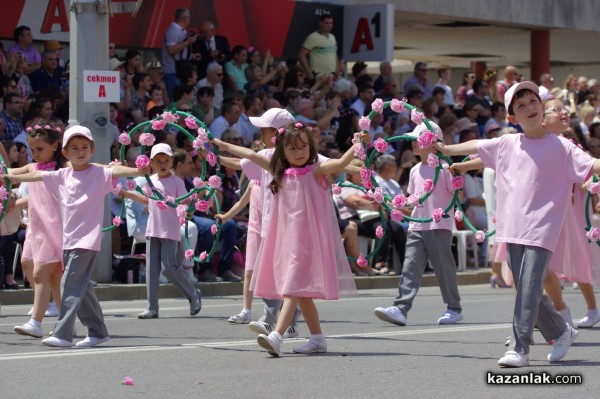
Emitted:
<point x="254" y="222"/>
<point x="44" y="235"/>
<point x="302" y="253"/>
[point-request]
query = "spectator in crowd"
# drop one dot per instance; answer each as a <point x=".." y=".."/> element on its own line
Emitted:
<point x="419" y="79"/>
<point x="319" y="50"/>
<point x="306" y="113"/>
<point x="230" y="115"/>
<point x="365" y="98"/>
<point x="211" y="47"/>
<point x="43" y="106"/>
<point x="582" y="89"/>
<point x="54" y="45"/>
<point x="463" y="89"/>
<point x="15" y="69"/>
<point x="444" y="74"/>
<point x="346" y="90"/>
<point x="204" y="109"/>
<point x="49" y="74"/>
<point x="2" y="58"/>
<point x="213" y="79"/>
<point x="498" y="111"/>
<point x="511" y="75"/>
<point x="389" y="89"/>
<point x="139" y="97"/>
<point x="252" y="108"/>
<point x="24" y="45"/>
<point x="175" y="48"/>
<point x="480" y="97"/>
<point x="385" y="71"/>
<point x="183" y="94"/>
<point x="112" y="51"/>
<point x="447" y="124"/>
<point x="13" y="109"/>
<point x="258" y="83"/>
<point x="236" y="68"/>
<point x="133" y="62"/>
<point x="359" y="69"/>
<point x="155" y="98"/>
<point x="157" y="73"/>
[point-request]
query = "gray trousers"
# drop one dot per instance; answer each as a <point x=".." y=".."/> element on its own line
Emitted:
<point x="272" y="307"/>
<point x="162" y="254"/>
<point x="79" y="297"/>
<point x="529" y="265"/>
<point x="423" y="246"/>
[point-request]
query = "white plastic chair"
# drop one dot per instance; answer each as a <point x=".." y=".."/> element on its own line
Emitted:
<point x="461" y="246"/>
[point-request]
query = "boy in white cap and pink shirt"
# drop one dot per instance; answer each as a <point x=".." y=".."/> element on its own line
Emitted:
<point x="81" y="190"/>
<point x="535" y="173"/>
<point x="163" y="234"/>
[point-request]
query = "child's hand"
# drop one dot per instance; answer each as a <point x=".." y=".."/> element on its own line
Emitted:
<point x="121" y="194"/>
<point x="220" y="144"/>
<point x="145" y="170"/>
<point x="440" y="147"/>
<point x="13" y="178"/>
<point x="222" y="218"/>
<point x="458" y="167"/>
<point x="366" y="138"/>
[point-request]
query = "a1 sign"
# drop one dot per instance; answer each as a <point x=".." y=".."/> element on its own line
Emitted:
<point x="368" y="32"/>
<point x="101" y="86"/>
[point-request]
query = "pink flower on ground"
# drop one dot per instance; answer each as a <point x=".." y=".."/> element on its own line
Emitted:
<point x="202" y="206"/>
<point x="364" y="123"/>
<point x="359" y="152"/>
<point x="124" y="139"/>
<point x="479" y="236"/>
<point x="458" y="215"/>
<point x="203" y="256"/>
<point x="162" y="205"/>
<point x="381" y="145"/>
<point x="594" y="188"/>
<point x="361" y="261"/>
<point x="377" y="105"/>
<point x="458" y="182"/>
<point x="336" y="189"/>
<point x="142" y="162"/>
<point x="147" y="190"/>
<point x="169" y="117"/>
<point x="377" y="195"/>
<point x="181" y="211"/>
<point x="437" y="214"/>
<point x="191" y="123"/>
<point x="426" y="139"/>
<point x="189" y="254"/>
<point x="396" y="215"/>
<point x="130" y="184"/>
<point x="594" y="234"/>
<point x="117" y="221"/>
<point x="397" y="105"/>
<point x="214" y="181"/>
<point x="198" y="182"/>
<point x="399" y="201"/>
<point x="428" y="185"/>
<point x="413" y="199"/>
<point x="416" y="116"/>
<point x="127" y="381"/>
<point x="433" y="160"/>
<point x="211" y="158"/>
<point x="379" y="232"/>
<point x="147" y="139"/>
<point x="117" y="188"/>
<point x="158" y="124"/>
<point x="213" y="229"/>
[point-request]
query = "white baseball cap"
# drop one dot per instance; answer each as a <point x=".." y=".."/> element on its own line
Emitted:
<point x="510" y="93"/>
<point x="161" y="148"/>
<point x="435" y="129"/>
<point x="76" y="130"/>
<point x="274" y="117"/>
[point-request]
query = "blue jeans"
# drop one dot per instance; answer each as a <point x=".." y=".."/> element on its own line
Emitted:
<point x="206" y="241"/>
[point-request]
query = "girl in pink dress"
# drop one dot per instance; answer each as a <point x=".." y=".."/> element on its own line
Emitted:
<point x="43" y="239"/>
<point x="302" y="256"/>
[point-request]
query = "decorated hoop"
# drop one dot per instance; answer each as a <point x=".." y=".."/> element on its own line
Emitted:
<point x="593" y="233"/>
<point x="196" y="199"/>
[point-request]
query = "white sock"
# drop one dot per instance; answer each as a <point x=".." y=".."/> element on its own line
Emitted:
<point x="317" y="338"/>
<point x="245" y="311"/>
<point x="35" y="323"/>
<point x="276" y="335"/>
<point x="591" y="313"/>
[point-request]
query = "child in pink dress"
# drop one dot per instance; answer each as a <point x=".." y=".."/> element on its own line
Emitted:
<point x="302" y="256"/>
<point x="43" y="239"/>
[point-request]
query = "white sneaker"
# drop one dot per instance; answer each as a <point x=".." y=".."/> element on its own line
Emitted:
<point x="89" y="342"/>
<point x="147" y="314"/>
<point x="51" y="333"/>
<point x="312" y="347"/>
<point x="240" y="318"/>
<point x="590" y="319"/>
<point x="513" y="359"/>
<point x="162" y="279"/>
<point x="271" y="342"/>
<point x="29" y="329"/>
<point x="562" y="344"/>
<point x="57" y="342"/>
<point x="450" y="317"/>
<point x="260" y="327"/>
<point x="391" y="315"/>
<point x="52" y="310"/>
<point x="291" y="332"/>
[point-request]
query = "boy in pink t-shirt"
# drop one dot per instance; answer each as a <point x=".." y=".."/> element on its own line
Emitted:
<point x="163" y="234"/>
<point x="535" y="173"/>
<point x="81" y="189"/>
<point x="427" y="242"/>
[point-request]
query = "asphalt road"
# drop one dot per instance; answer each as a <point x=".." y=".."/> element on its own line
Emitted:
<point x="177" y="356"/>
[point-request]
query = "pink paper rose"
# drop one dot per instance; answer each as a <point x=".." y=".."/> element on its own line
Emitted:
<point x="191" y="123"/>
<point x="364" y="123"/>
<point x="458" y="215"/>
<point x="124" y="139"/>
<point x="214" y="181"/>
<point x="361" y="261"/>
<point x="203" y="256"/>
<point x="211" y="158"/>
<point x="130" y="184"/>
<point x="169" y="117"/>
<point x="202" y="206"/>
<point x="396" y="215"/>
<point x="377" y="195"/>
<point x="433" y="160"/>
<point x="189" y="254"/>
<point x="202" y="135"/>
<point x="416" y="116"/>
<point x="158" y="124"/>
<point x="426" y="139"/>
<point x="198" y="182"/>
<point x="377" y="105"/>
<point x="437" y="214"/>
<point x="213" y="229"/>
<point x="381" y="145"/>
<point x="399" y="201"/>
<point x="142" y="162"/>
<point x="594" y="234"/>
<point x="458" y="182"/>
<point x="359" y="152"/>
<point x="336" y="189"/>
<point x="413" y="199"/>
<point x="117" y="221"/>
<point x="181" y="211"/>
<point x="147" y="139"/>
<point x="479" y="236"/>
<point x="428" y="185"/>
<point x="379" y="232"/>
<point x="397" y="105"/>
<point x="594" y="188"/>
<point x="162" y="205"/>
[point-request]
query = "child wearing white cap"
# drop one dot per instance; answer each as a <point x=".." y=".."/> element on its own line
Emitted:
<point x="81" y="189"/>
<point x="535" y="173"/>
<point x="163" y="234"/>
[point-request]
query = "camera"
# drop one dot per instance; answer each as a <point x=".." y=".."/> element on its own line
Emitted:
<point x="192" y="34"/>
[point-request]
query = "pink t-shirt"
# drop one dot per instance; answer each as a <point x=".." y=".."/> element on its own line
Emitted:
<point x="440" y="197"/>
<point x="534" y="179"/>
<point x="82" y="196"/>
<point x="165" y="223"/>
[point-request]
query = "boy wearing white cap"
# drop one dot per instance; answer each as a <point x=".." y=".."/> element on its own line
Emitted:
<point x="81" y="189"/>
<point x="535" y="173"/>
<point x="163" y="234"/>
<point x="427" y="242"/>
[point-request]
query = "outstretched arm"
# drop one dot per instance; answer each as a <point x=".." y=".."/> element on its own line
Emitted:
<point x="35" y="175"/>
<point x="233" y="163"/>
<point x="467" y="148"/>
<point x="243" y="152"/>
<point x="126" y="171"/>
<point x="134" y="196"/>
<point x="337" y="165"/>
<point x="596" y="167"/>
<point x="462" y="167"/>
<point x="238" y="206"/>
